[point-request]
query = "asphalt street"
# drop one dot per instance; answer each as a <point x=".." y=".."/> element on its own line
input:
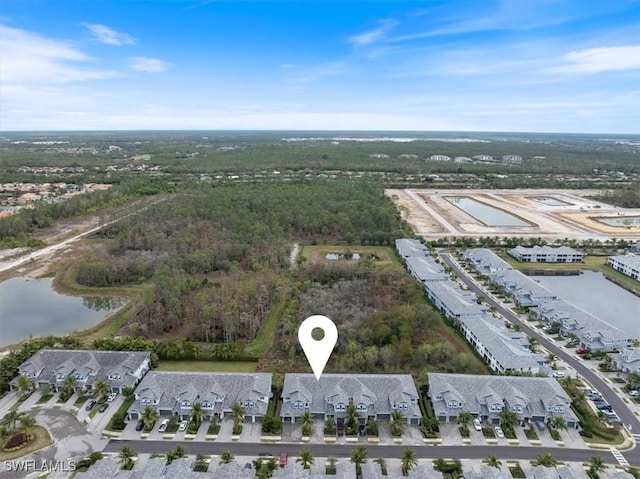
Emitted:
<point x="621" y="409"/>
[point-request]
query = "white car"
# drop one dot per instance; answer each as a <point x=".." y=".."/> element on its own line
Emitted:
<point x="477" y="425"/>
<point x="634" y="393"/>
<point x="111" y="397"/>
<point x="558" y="374"/>
<point x="499" y="433"/>
<point x="183" y="426"/>
<point x="163" y="425"/>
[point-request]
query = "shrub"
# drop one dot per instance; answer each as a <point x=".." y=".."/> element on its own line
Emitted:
<point x="237" y="429"/>
<point x="555" y="435"/>
<point x="584" y="433"/>
<point x="17" y="441"/>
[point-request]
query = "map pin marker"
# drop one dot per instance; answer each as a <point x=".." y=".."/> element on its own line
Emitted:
<point x="318" y="351"/>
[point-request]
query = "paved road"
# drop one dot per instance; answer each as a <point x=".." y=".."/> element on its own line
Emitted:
<point x="387" y="451"/>
<point x="621" y="409"/>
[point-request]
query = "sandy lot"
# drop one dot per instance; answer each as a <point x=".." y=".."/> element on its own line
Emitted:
<point x="552" y="214"/>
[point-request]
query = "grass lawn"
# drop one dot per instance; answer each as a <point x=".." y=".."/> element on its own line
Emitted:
<point x="595" y="440"/>
<point x="44" y="398"/>
<point x="531" y="433"/>
<point x="124" y="407"/>
<point x="617" y="380"/>
<point x="80" y="401"/>
<point x="41" y="439"/>
<point x="208" y="366"/>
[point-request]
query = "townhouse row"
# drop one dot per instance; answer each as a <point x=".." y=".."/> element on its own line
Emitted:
<point x="503" y="349"/>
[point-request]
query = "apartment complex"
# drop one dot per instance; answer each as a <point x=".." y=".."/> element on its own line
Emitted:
<point x="628" y="264"/>
<point x="546" y="254"/>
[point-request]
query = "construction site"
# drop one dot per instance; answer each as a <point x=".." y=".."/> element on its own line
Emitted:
<point x="545" y="213"/>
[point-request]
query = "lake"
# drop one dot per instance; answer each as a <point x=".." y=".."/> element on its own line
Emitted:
<point x="592" y="292"/>
<point x="30" y="307"/>
<point x="620" y="221"/>
<point x="488" y="215"/>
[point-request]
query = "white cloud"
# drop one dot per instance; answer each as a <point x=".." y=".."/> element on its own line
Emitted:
<point x="148" y="65"/>
<point x="375" y="35"/>
<point x="108" y="36"/>
<point x="28" y="58"/>
<point x="604" y="59"/>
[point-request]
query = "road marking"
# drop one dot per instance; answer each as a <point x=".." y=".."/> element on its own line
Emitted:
<point x="620" y="458"/>
<point x="635" y="436"/>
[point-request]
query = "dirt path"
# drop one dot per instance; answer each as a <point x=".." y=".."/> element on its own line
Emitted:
<point x="294" y="255"/>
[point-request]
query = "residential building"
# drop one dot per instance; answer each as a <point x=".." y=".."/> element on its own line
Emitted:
<point x="564" y="472"/>
<point x="486" y="261"/>
<point x="175" y="393"/>
<point x="487" y="472"/>
<point x="453" y="301"/>
<point x="526" y="292"/>
<point x="628" y="264"/>
<point x="408" y="248"/>
<point x="462" y="159"/>
<point x="592" y="332"/>
<point x="373" y="395"/>
<point x="512" y="159"/>
<point x="425" y="269"/>
<point x="546" y="254"/>
<point x="504" y="350"/>
<point x="120" y="369"/>
<point x="440" y="158"/>
<point x="533" y="399"/>
<point x="483" y="158"/>
<point x="627" y="360"/>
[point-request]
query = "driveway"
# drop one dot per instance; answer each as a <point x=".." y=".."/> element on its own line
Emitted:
<point x="72" y="441"/>
<point x="9" y="400"/>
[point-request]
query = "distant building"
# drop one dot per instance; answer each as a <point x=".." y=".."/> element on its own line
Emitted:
<point x="628" y="264"/>
<point x="511" y="159"/>
<point x="546" y="254"/>
<point x="462" y="159"/>
<point x="440" y="158"/>
<point x="483" y="158"/>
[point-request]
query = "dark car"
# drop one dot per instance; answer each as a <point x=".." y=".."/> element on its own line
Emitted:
<point x="104" y="407"/>
<point x="362" y="429"/>
<point x="90" y="405"/>
<point x="340" y="427"/>
<point x="139" y="426"/>
<point x="604" y="407"/>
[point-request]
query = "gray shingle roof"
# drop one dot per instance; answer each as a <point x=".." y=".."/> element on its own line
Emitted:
<point x="544" y="251"/>
<point x="457" y="300"/>
<point x="486" y="261"/>
<point x="411" y="247"/>
<point x="426" y="269"/>
<point x="376" y="391"/>
<point x="170" y="388"/>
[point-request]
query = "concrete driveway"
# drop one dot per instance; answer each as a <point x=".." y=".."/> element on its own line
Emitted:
<point x="72" y="441"/>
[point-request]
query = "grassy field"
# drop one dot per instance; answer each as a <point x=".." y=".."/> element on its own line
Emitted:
<point x="593" y="263"/>
<point x="208" y="366"/>
<point x="385" y="254"/>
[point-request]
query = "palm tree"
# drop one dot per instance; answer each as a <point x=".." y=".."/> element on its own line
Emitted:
<point x="546" y="460"/>
<point x="69" y="386"/>
<point x="596" y="465"/>
<point x="359" y="457"/>
<point x="226" y="457"/>
<point x="11" y="418"/>
<point x="149" y="417"/>
<point x="551" y="358"/>
<point x="533" y="344"/>
<point x="493" y="461"/>
<point x="125" y="457"/>
<point x="307" y="422"/>
<point x="101" y="389"/>
<point x="351" y="415"/>
<point x="26" y="423"/>
<point x="179" y="452"/>
<point x="306" y="458"/>
<point x="383" y="464"/>
<point x="408" y="461"/>
<point x="464" y="417"/>
<point x="197" y="414"/>
<point x="237" y="412"/>
<point x="559" y="422"/>
<point x="398" y="422"/>
<point x="509" y="418"/>
<point x="24" y="384"/>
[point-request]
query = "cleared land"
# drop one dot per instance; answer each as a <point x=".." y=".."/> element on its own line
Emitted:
<point x="208" y="366"/>
<point x="549" y="214"/>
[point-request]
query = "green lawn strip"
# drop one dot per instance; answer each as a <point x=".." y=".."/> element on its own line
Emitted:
<point x="124" y="407"/>
<point x="208" y="366"/>
<point x="44" y="398"/>
<point x="80" y="401"/>
<point x="95" y="408"/>
<point x="263" y="342"/>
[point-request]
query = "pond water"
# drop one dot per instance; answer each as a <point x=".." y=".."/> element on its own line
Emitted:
<point x="551" y="201"/>
<point x="621" y="221"/>
<point x="488" y="215"/>
<point x="595" y="294"/>
<point x="30" y="307"/>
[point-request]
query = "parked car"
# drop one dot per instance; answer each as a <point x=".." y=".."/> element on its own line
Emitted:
<point x="604" y="407"/>
<point x="112" y="396"/>
<point x="634" y="393"/>
<point x="140" y="426"/>
<point x="90" y="405"/>
<point x="540" y="425"/>
<point x="182" y="426"/>
<point x="163" y="425"/>
<point x="477" y="425"/>
<point x="558" y="374"/>
<point x="104" y="407"/>
<point x="499" y="432"/>
<point x="582" y="351"/>
<point x="282" y="461"/>
<point x="547" y="329"/>
<point x="362" y="429"/>
<point x="340" y="427"/>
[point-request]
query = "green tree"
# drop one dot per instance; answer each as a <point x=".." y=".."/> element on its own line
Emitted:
<point x="226" y="457"/>
<point x="68" y="386"/>
<point x="408" y="461"/>
<point x="464" y="418"/>
<point x="24" y="385"/>
<point x="493" y="461"/>
<point x="508" y="418"/>
<point x="359" y="457"/>
<point x="25" y="424"/>
<point x="596" y="465"/>
<point x="11" y="418"/>
<point x="149" y="417"/>
<point x="351" y="415"/>
<point x="197" y="414"/>
<point x="306" y="458"/>
<point x="559" y="422"/>
<point x="545" y="460"/>
<point x="125" y="457"/>
<point x="307" y="422"/>
<point x="238" y="412"/>
<point x="398" y="423"/>
<point x="101" y="389"/>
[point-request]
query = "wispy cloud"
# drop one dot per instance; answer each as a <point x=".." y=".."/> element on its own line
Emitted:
<point x="375" y="35"/>
<point x="108" y="36"/>
<point x="604" y="59"/>
<point x="148" y="65"/>
<point x="28" y="58"/>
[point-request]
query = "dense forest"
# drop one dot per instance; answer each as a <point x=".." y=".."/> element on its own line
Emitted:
<point x="624" y="198"/>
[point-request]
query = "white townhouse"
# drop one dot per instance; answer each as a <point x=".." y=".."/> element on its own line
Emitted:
<point x="486" y="261"/>
<point x="120" y="369"/>
<point x="453" y="301"/>
<point x="628" y="264"/>
<point x="174" y="394"/>
<point x="627" y="360"/>
<point x="546" y="254"/>
<point x="526" y="292"/>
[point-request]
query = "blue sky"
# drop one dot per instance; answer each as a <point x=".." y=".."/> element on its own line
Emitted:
<point x="474" y="65"/>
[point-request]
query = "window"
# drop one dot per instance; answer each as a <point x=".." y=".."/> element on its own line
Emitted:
<point x="207" y="404"/>
<point x="185" y="404"/>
